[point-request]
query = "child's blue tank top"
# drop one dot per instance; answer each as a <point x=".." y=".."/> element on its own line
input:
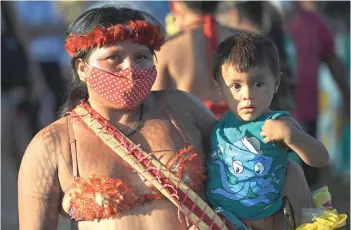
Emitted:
<point x="245" y="175"/>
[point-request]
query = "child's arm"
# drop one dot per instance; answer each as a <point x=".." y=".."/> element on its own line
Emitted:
<point x="286" y="129"/>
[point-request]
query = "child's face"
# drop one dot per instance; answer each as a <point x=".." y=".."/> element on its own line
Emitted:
<point x="248" y="94"/>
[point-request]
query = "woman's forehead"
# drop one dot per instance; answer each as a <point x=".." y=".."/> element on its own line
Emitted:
<point x="123" y="47"/>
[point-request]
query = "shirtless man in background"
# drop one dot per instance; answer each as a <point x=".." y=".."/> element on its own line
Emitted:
<point x="185" y="61"/>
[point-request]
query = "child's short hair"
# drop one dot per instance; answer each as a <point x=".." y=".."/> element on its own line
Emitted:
<point x="246" y="50"/>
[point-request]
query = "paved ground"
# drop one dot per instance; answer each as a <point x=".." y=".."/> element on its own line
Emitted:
<point x="9" y="216"/>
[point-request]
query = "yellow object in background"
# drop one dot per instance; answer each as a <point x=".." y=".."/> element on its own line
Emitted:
<point x="323" y="217"/>
<point x="171" y="27"/>
<point x="322" y="198"/>
<point x="328" y="221"/>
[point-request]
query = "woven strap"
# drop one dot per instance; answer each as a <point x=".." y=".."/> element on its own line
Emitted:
<point x="73" y="145"/>
<point x="172" y="187"/>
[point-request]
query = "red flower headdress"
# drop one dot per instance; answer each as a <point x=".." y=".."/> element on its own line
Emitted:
<point x="138" y="31"/>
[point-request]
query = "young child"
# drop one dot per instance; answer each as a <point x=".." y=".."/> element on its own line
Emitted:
<point x="250" y="144"/>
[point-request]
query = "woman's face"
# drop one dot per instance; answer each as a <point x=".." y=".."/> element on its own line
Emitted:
<point x="122" y="74"/>
<point x="120" y="56"/>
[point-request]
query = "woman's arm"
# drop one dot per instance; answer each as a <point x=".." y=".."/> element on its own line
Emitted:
<point x="204" y="119"/>
<point x="297" y="191"/>
<point x="39" y="189"/>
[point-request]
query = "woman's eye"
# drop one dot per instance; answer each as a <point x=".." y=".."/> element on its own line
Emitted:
<point x="236" y="86"/>
<point x="259" y="84"/>
<point x="112" y="58"/>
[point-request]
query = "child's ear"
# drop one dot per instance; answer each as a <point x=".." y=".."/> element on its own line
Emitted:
<point x="277" y="82"/>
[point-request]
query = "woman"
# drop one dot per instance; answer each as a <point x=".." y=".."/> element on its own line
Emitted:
<point x="74" y="168"/>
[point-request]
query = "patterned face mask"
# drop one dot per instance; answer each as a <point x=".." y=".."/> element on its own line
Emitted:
<point x="126" y="89"/>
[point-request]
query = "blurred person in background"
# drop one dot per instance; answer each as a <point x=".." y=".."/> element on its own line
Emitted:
<point x="22" y="85"/>
<point x="185" y="61"/>
<point x="314" y="44"/>
<point x="337" y="15"/>
<point x="262" y="17"/>
<point x="45" y="45"/>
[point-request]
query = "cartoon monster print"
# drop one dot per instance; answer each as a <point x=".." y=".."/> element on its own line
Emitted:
<point x="244" y="163"/>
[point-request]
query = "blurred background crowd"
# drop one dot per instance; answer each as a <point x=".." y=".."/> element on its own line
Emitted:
<point x="35" y="68"/>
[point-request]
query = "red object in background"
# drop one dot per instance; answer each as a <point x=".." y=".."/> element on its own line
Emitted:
<point x="217" y="108"/>
<point x="210" y="32"/>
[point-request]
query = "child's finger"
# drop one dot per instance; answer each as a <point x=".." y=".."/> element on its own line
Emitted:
<point x="266" y="140"/>
<point x="263" y="134"/>
<point x="263" y="126"/>
<point x="267" y="122"/>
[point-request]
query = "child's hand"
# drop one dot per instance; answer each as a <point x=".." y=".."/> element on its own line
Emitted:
<point x="277" y="131"/>
<point x="289" y="133"/>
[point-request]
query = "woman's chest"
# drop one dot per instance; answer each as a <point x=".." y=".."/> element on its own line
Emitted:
<point x="160" y="137"/>
<point x="99" y="166"/>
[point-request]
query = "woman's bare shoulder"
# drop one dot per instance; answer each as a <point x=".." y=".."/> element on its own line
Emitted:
<point x="38" y="178"/>
<point x="49" y="141"/>
<point x="175" y="98"/>
<point x="182" y="102"/>
<point x="58" y="128"/>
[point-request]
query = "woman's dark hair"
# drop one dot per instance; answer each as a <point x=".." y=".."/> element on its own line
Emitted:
<point x="106" y="16"/>
<point x="202" y="7"/>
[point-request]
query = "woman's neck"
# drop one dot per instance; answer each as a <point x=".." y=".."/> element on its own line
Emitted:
<point x="124" y="120"/>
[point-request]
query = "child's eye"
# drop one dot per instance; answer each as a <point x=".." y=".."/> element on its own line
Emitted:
<point x="259" y="84"/>
<point x="141" y="57"/>
<point x="235" y="86"/>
